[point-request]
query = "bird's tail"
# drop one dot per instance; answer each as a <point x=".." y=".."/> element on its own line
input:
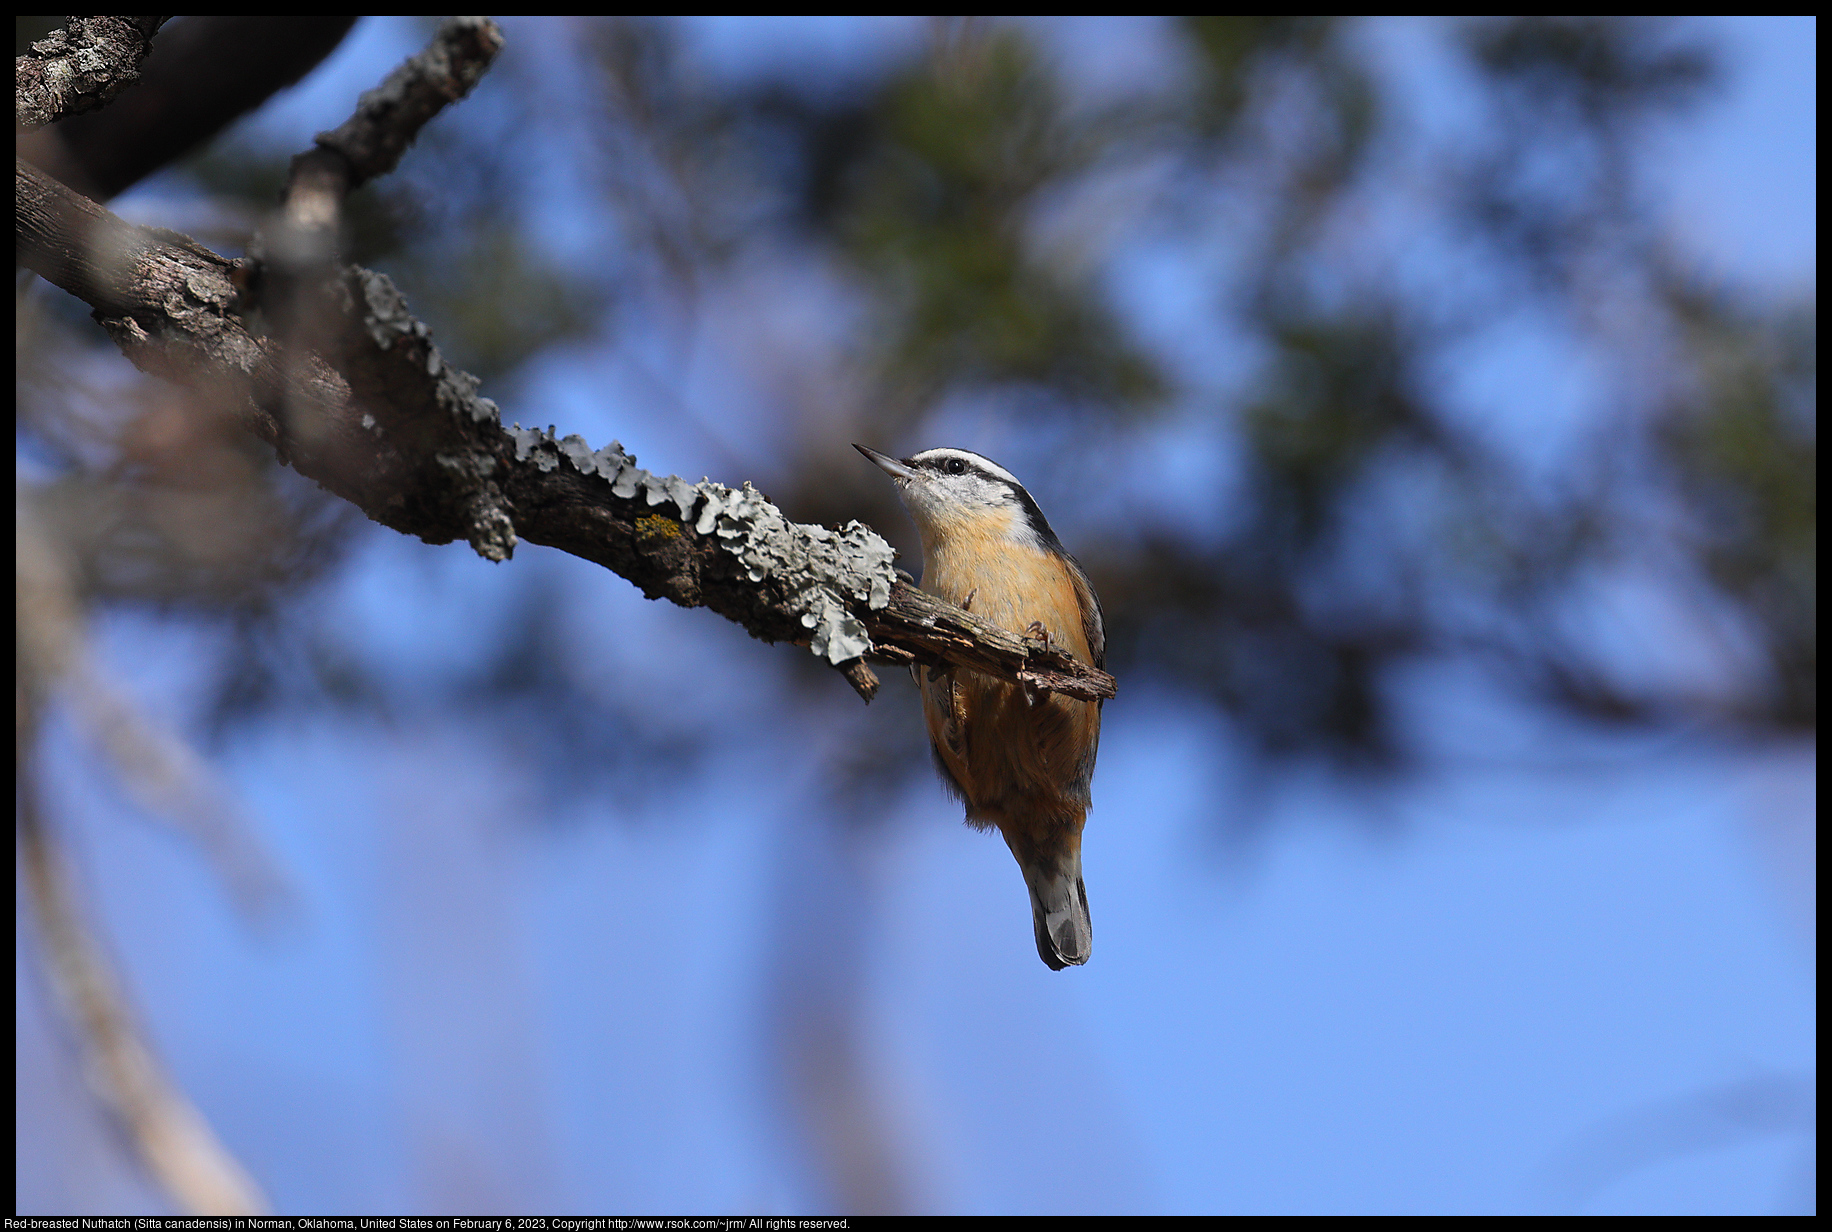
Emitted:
<point x="1059" y="906"/>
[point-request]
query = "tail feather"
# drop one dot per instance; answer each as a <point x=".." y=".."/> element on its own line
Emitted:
<point x="1059" y="913"/>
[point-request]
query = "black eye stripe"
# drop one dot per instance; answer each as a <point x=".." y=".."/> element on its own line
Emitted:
<point x="947" y="466"/>
<point x="956" y="465"/>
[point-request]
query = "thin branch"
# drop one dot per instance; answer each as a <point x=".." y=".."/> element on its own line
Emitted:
<point x="375" y="137"/>
<point x="163" y="774"/>
<point x="295" y="270"/>
<point x="174" y="1142"/>
<point x="935" y="632"/>
<point x="388" y="117"/>
<point x="80" y="66"/>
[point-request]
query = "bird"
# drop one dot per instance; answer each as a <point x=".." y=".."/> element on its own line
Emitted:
<point x="1019" y="760"/>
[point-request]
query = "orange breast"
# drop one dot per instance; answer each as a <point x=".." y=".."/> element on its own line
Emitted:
<point x="1017" y="763"/>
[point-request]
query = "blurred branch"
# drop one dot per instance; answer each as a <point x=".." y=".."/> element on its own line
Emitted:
<point x="294" y="276"/>
<point x="174" y="1141"/>
<point x="164" y="775"/>
<point x="205" y="72"/>
<point x="376" y="415"/>
<point x="1760" y="1106"/>
<point x="388" y="117"/>
<point x="371" y="142"/>
<point x="80" y="66"/>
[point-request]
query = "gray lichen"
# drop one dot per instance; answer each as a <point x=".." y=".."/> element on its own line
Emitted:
<point x="394" y="330"/>
<point x="819" y="570"/>
<point x="492" y="531"/>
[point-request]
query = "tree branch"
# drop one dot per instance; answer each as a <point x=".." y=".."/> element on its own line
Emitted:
<point x="376" y="415"/>
<point x="163" y="774"/>
<point x="204" y="74"/>
<point x="371" y="142"/>
<point x="388" y="117"/>
<point x="175" y="1143"/>
<point x="80" y="66"/>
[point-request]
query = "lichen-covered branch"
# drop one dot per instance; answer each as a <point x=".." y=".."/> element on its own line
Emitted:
<point x="375" y="414"/>
<point x="371" y="142"/>
<point x="387" y="118"/>
<point x="80" y="66"/>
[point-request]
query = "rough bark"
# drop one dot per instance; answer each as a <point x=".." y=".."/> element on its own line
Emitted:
<point x="80" y="66"/>
<point x="205" y="72"/>
<point x="360" y="400"/>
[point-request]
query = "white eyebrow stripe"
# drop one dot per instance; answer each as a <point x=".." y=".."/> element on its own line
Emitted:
<point x="966" y="455"/>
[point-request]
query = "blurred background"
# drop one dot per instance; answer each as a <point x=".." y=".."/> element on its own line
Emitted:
<point x="1433" y="404"/>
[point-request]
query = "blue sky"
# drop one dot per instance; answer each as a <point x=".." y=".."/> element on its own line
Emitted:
<point x="1429" y="999"/>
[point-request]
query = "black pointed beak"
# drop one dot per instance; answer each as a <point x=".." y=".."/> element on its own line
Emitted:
<point x="889" y="465"/>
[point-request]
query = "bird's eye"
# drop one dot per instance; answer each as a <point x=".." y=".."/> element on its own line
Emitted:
<point x="954" y="466"/>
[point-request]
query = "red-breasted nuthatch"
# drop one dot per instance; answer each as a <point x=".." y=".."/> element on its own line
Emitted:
<point x="1019" y="762"/>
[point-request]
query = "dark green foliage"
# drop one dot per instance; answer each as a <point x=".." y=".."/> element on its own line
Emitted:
<point x="1745" y="456"/>
<point x="931" y="191"/>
